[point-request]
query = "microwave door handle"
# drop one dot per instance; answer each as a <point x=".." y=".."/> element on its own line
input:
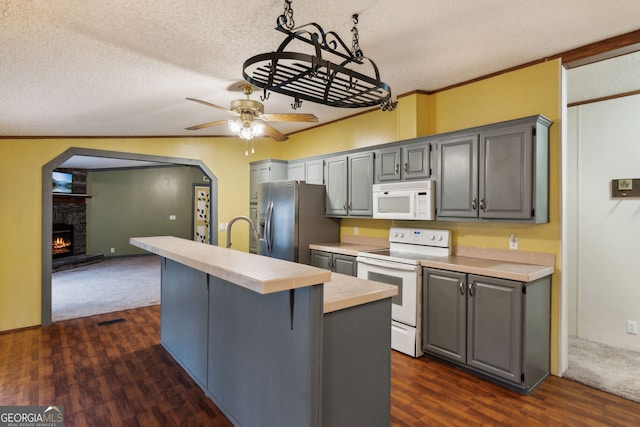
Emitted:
<point x="386" y="264"/>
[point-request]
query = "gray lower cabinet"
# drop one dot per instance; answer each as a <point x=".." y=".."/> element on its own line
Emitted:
<point x="495" y="327"/>
<point x="349" y="181"/>
<point x="496" y="172"/>
<point x="338" y="263"/>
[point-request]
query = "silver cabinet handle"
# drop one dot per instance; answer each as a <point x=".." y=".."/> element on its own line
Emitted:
<point x="470" y="289"/>
<point x="398" y="168"/>
<point x="461" y="285"/>
<point x="406" y="167"/>
<point x="474" y="204"/>
<point x="483" y="205"/>
<point x="349" y="206"/>
<point x="344" y="205"/>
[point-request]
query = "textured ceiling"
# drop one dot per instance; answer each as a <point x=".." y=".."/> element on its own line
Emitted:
<point x="124" y="68"/>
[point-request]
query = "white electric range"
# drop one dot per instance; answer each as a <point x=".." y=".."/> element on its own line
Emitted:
<point x="400" y="266"/>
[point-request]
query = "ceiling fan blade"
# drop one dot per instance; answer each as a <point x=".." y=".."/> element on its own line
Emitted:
<point x="289" y="117"/>
<point x="274" y="133"/>
<point x="206" y="125"/>
<point x="208" y="104"/>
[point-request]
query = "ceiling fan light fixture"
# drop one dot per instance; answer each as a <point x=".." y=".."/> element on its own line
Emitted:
<point x="335" y="76"/>
<point x="235" y="125"/>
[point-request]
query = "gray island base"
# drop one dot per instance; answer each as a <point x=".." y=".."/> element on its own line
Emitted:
<point x="275" y="343"/>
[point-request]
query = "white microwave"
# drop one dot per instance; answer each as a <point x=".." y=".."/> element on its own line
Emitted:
<point x="405" y="200"/>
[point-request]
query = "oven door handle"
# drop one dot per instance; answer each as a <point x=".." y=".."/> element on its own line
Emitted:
<point x="387" y="264"/>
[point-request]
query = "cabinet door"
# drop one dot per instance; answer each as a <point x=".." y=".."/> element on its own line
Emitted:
<point x="335" y="174"/>
<point x="494" y="326"/>
<point x="416" y="158"/>
<point x="345" y="264"/>
<point x="296" y="171"/>
<point x="444" y="328"/>
<point x="314" y="172"/>
<point x="320" y="259"/>
<point x="388" y="165"/>
<point x="360" y="184"/>
<point x="505" y="179"/>
<point x="457" y="177"/>
<point x="253" y="184"/>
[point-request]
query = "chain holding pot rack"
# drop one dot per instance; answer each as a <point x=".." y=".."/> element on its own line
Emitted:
<point x="350" y="81"/>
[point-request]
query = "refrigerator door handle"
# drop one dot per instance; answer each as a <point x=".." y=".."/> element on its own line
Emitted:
<point x="268" y="232"/>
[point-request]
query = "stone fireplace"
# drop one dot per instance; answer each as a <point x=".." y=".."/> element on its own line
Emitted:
<point x="69" y="232"/>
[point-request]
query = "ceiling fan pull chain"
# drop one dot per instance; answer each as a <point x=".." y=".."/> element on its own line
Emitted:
<point x="286" y="19"/>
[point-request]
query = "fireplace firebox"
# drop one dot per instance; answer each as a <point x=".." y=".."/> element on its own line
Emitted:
<point x="62" y="240"/>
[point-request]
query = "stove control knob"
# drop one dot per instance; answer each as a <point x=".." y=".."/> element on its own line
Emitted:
<point x="401" y="235"/>
<point x="432" y="237"/>
<point x="440" y="238"/>
<point x="395" y="234"/>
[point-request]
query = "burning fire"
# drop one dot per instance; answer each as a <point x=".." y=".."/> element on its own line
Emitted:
<point x="60" y="244"/>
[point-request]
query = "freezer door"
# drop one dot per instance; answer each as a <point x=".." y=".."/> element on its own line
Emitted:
<point x="283" y="222"/>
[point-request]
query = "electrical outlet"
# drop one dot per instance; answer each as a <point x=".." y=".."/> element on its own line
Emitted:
<point x="632" y="327"/>
<point x="172" y="217"/>
<point x="113" y="250"/>
<point x="356" y="230"/>
<point x="513" y="241"/>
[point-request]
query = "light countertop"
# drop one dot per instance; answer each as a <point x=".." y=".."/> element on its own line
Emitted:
<point x="261" y="274"/>
<point x="344" y="248"/>
<point x="490" y="267"/>
<point x="345" y="291"/>
<point x="266" y="275"/>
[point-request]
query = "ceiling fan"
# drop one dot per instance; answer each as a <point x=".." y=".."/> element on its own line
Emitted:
<point x="250" y="120"/>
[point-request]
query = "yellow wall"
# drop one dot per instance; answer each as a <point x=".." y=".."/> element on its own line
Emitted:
<point x="534" y="90"/>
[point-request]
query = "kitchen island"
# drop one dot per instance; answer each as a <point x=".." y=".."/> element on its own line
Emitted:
<point x="273" y="342"/>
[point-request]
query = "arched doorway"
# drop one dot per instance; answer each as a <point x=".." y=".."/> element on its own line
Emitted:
<point x="47" y="205"/>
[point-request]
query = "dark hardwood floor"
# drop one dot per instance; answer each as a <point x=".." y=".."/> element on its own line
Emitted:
<point x="117" y="374"/>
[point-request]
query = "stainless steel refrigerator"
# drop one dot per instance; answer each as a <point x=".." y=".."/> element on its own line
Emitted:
<point x="291" y="215"/>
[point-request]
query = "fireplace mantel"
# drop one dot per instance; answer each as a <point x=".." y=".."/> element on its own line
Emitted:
<point x="70" y="198"/>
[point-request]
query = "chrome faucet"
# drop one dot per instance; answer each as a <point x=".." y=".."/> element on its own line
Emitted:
<point x="254" y="232"/>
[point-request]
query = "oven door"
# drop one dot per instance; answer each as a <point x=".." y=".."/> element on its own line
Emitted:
<point x="404" y="276"/>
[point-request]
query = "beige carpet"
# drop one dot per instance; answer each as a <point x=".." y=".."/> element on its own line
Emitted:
<point x="610" y="369"/>
<point x="111" y="285"/>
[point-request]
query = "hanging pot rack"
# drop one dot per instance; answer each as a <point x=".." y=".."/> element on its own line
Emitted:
<point x="329" y="73"/>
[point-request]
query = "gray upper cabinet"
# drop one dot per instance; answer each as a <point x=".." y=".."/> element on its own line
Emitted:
<point x="416" y="161"/>
<point x="497" y="172"/>
<point x="295" y="170"/>
<point x="310" y="171"/>
<point x="265" y="171"/>
<point x="314" y="171"/>
<point x="457" y="177"/>
<point x="349" y="181"/>
<point x="404" y="162"/>
<point x="388" y="164"/>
